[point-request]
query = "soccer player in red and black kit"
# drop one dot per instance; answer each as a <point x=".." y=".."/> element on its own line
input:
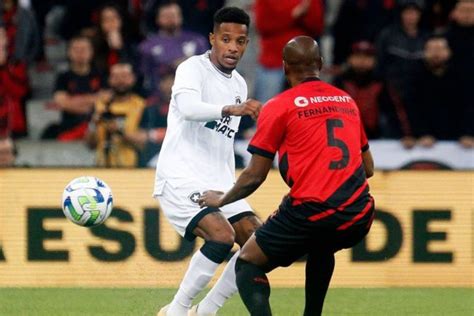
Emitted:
<point x="325" y="160"/>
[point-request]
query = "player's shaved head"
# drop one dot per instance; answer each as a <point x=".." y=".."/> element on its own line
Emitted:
<point x="302" y="59"/>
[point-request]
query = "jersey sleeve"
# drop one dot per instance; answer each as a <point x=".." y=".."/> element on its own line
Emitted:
<point x="188" y="78"/>
<point x="271" y="126"/>
<point x="187" y="94"/>
<point x="364" y="143"/>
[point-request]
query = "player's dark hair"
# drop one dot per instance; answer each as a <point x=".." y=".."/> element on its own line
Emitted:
<point x="231" y="15"/>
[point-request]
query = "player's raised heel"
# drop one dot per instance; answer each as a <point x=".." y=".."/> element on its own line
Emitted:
<point x="163" y="310"/>
<point x="193" y="312"/>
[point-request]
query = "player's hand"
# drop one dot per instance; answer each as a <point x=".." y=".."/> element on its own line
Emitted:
<point x="250" y="107"/>
<point x="211" y="199"/>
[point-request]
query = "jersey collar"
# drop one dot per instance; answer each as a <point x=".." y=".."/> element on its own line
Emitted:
<point x="208" y="55"/>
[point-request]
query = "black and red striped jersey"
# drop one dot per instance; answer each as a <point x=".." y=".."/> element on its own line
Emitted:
<point x="316" y="130"/>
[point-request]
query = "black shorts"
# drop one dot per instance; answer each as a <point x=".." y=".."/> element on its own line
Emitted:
<point x="287" y="234"/>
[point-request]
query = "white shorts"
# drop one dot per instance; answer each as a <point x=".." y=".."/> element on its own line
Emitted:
<point x="179" y="202"/>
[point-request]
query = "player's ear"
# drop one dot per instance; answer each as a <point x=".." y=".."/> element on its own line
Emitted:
<point x="320" y="63"/>
<point x="285" y="68"/>
<point x="212" y="38"/>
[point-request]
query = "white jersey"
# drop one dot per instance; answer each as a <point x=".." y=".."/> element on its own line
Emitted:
<point x="201" y="151"/>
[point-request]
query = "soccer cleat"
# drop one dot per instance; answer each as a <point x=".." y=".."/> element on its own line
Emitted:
<point x="193" y="312"/>
<point x="163" y="310"/>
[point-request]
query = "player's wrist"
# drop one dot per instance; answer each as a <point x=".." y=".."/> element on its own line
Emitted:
<point x="228" y="110"/>
<point x="221" y="202"/>
<point x="224" y="199"/>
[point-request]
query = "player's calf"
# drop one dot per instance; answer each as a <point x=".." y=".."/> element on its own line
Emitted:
<point x="201" y="269"/>
<point x="254" y="288"/>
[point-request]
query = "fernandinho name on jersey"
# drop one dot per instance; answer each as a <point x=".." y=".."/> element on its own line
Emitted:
<point x="324" y="110"/>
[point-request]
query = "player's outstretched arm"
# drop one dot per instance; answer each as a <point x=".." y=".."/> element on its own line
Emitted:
<point x="250" y="107"/>
<point x="193" y="109"/>
<point x="249" y="181"/>
<point x="368" y="162"/>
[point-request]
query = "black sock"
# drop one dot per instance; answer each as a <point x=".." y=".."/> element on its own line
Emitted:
<point x="319" y="268"/>
<point x="254" y="288"/>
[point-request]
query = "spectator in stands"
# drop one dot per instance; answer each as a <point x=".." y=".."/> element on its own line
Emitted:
<point x="115" y="119"/>
<point x="135" y="9"/>
<point x="41" y="8"/>
<point x="7" y="152"/>
<point x="112" y="41"/>
<point x="22" y="31"/>
<point x="148" y="24"/>
<point x="197" y="14"/>
<point x="400" y="53"/>
<point x="79" y="15"/>
<point x="437" y="14"/>
<point x="76" y="92"/>
<point x="154" y="122"/>
<point x="461" y="40"/>
<point x="461" y="35"/>
<point x="358" y="20"/>
<point x="276" y="25"/>
<point x="169" y="46"/>
<point x="13" y="91"/>
<point x="381" y="112"/>
<point x="444" y="109"/>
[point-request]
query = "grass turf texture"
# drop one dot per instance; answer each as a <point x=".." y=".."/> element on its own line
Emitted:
<point x="285" y="302"/>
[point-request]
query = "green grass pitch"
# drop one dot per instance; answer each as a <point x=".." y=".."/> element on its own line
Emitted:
<point x="285" y="302"/>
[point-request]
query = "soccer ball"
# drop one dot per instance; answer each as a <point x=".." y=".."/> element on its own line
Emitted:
<point x="87" y="201"/>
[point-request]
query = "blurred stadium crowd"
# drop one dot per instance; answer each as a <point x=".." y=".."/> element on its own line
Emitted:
<point x="100" y="72"/>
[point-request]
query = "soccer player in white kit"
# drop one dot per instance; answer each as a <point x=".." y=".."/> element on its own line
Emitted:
<point x="198" y="154"/>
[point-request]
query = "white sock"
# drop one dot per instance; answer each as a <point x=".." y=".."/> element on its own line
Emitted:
<point x="199" y="273"/>
<point x="221" y="291"/>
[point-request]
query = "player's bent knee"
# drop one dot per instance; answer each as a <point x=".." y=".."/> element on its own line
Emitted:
<point x="216" y="251"/>
<point x="252" y="253"/>
<point x="223" y="237"/>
